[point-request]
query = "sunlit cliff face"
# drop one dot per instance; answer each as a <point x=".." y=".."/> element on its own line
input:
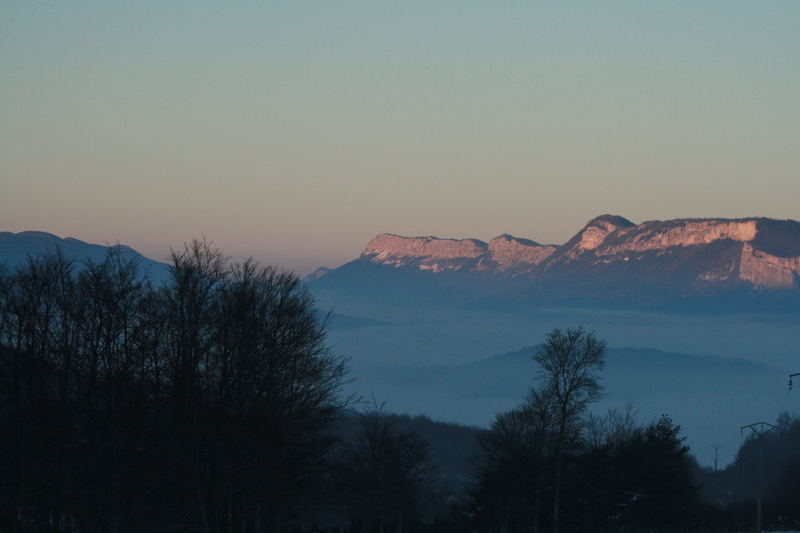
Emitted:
<point x="501" y="254"/>
<point x="687" y="233"/>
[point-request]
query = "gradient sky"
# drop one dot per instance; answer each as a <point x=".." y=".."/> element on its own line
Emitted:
<point x="294" y="131"/>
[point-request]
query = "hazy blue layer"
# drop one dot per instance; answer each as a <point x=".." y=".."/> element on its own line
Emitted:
<point x="425" y="362"/>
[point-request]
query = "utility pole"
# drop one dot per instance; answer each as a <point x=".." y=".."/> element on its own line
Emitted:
<point x="790" y="378"/>
<point x="758" y="428"/>
<point x="716" y="476"/>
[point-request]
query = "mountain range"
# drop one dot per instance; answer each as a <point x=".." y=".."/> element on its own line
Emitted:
<point x="715" y="263"/>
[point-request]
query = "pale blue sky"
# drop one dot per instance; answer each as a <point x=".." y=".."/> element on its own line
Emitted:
<point x="294" y="131"/>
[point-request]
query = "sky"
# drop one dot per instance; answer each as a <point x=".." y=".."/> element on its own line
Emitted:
<point x="295" y="131"/>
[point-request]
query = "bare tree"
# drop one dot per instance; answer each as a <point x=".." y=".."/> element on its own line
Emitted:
<point x="613" y="429"/>
<point x="569" y="364"/>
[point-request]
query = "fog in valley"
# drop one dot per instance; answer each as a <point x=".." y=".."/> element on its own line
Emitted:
<point x="711" y="373"/>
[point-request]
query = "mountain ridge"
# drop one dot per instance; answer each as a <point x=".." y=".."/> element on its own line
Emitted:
<point x="611" y="259"/>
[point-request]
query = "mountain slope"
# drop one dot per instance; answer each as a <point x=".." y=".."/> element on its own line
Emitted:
<point x="15" y="248"/>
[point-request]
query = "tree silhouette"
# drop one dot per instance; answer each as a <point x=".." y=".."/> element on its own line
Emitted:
<point x="569" y="362"/>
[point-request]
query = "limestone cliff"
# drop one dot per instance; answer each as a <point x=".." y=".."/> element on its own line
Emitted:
<point x="766" y="270"/>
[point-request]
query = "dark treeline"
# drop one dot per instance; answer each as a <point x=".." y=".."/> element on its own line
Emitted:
<point x="552" y="465"/>
<point x="735" y="489"/>
<point x="549" y="465"/>
<point x="205" y="404"/>
<point x="626" y="477"/>
<point x="210" y="403"/>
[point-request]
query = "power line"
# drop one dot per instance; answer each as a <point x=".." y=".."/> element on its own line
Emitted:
<point x="790" y="378"/>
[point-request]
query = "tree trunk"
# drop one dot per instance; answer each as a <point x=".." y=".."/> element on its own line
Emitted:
<point x="557" y="481"/>
<point x="537" y="505"/>
<point x="557" y="491"/>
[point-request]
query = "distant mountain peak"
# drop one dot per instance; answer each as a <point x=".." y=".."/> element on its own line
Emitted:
<point x="506" y="237"/>
<point x="610" y="220"/>
<point x="29" y="234"/>
<point x="595" y="232"/>
<point x="516" y="255"/>
<point x="318" y="273"/>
